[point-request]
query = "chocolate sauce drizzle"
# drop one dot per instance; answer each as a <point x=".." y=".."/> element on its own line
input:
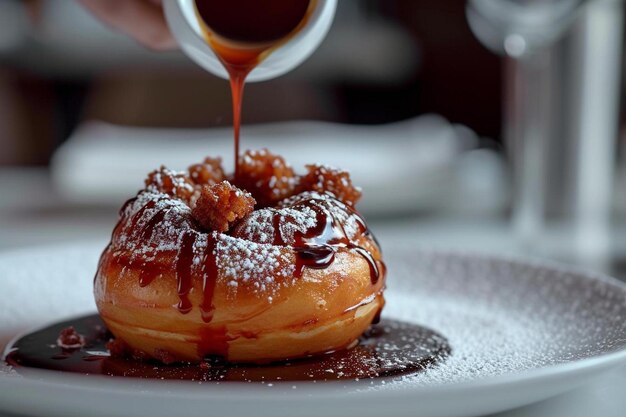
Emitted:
<point x="392" y="348"/>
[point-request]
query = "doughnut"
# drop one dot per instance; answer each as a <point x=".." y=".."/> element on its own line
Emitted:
<point x="265" y="267"/>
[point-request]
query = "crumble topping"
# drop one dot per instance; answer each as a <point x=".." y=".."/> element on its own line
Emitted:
<point x="69" y="338"/>
<point x="203" y="208"/>
<point x="322" y="178"/>
<point x="208" y="172"/>
<point x="221" y="205"/>
<point x="266" y="176"/>
<point x="173" y="183"/>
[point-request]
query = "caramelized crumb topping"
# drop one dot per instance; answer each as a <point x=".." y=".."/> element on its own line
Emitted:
<point x="264" y="179"/>
<point x="69" y="338"/>
<point x="117" y="348"/>
<point x="164" y="356"/>
<point x="120" y="349"/>
<point x="208" y="172"/>
<point x="175" y="184"/>
<point x="266" y="176"/>
<point x="321" y="178"/>
<point x="221" y="205"/>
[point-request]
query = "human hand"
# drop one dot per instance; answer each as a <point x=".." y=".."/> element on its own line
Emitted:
<point x="143" y="20"/>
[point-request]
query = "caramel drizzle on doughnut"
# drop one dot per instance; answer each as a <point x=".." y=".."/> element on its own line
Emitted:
<point x="210" y="278"/>
<point x="184" y="260"/>
<point x="317" y="246"/>
<point x="183" y="271"/>
<point x="314" y="248"/>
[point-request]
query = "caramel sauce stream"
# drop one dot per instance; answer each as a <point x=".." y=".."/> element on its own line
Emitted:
<point x="242" y="33"/>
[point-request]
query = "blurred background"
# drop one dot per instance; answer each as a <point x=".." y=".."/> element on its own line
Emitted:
<point x="480" y="124"/>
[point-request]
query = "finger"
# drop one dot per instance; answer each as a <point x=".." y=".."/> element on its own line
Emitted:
<point x="141" y="19"/>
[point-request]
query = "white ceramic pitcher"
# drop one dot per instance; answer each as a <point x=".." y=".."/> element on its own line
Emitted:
<point x="185" y="27"/>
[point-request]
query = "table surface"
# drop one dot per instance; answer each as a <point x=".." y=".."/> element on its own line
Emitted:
<point x="31" y="213"/>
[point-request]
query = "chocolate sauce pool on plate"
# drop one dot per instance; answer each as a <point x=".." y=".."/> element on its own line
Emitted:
<point x="390" y="348"/>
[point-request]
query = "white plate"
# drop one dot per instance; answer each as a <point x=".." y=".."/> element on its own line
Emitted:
<point x="520" y="332"/>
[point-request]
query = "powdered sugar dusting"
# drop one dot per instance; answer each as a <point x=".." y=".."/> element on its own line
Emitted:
<point x="260" y="226"/>
<point x="293" y="221"/>
<point x="242" y="261"/>
<point x="163" y="235"/>
<point x="343" y="215"/>
<point x="165" y="178"/>
<point x="153" y="227"/>
<point x="8" y="371"/>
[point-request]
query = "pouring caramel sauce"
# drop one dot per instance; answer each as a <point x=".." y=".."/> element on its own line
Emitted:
<point x="242" y="33"/>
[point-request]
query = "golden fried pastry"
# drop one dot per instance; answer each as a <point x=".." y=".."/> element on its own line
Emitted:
<point x="193" y="271"/>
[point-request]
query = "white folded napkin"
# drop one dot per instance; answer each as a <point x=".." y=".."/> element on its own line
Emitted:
<point x="401" y="166"/>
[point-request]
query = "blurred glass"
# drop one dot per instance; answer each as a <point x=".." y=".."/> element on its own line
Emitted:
<point x="519" y="27"/>
<point x="561" y="98"/>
